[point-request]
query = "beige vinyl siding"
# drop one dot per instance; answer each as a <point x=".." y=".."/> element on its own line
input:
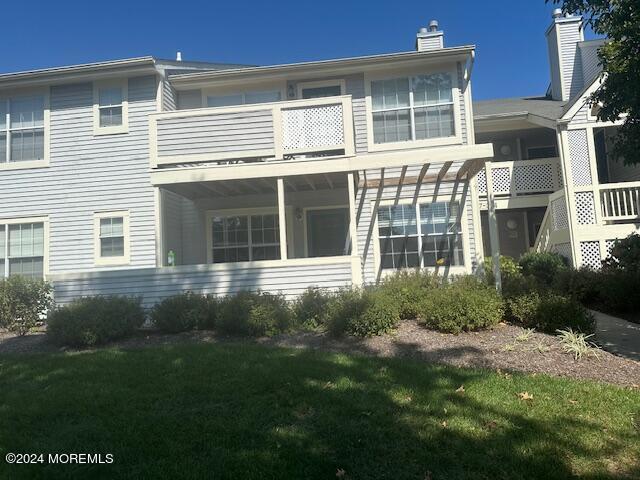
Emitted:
<point x="216" y="133"/>
<point x="169" y="96"/>
<point x="155" y="284"/>
<point x="88" y="174"/>
<point x="571" y="61"/>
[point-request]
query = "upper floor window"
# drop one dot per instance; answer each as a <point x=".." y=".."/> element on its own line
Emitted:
<point x="22" y="249"/>
<point x="22" y="129"/>
<point x="412" y="108"/>
<point x="244" y="98"/>
<point x="110" y="108"/>
<point x="112" y="238"/>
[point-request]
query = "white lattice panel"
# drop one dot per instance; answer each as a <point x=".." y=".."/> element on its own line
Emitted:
<point x="533" y="178"/>
<point x="585" y="208"/>
<point x="579" y="154"/>
<point x="501" y="180"/>
<point x="559" y="217"/>
<point x="312" y="127"/>
<point x="608" y="246"/>
<point x="590" y="252"/>
<point x="482" y="182"/>
<point x="560" y="177"/>
<point x="563" y="249"/>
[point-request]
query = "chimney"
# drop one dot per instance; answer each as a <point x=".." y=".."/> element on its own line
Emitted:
<point x="178" y="56"/>
<point x="430" y="38"/>
<point x="565" y="61"/>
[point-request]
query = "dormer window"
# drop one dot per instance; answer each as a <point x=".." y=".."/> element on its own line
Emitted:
<point x="110" y="108"/>
<point x="413" y="108"/>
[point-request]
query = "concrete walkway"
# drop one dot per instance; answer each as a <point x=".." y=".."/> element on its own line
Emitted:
<point x="617" y="335"/>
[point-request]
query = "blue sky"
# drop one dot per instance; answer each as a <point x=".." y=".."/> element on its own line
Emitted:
<point x="511" y="49"/>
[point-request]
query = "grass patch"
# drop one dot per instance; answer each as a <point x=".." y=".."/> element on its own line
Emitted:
<point x="241" y="411"/>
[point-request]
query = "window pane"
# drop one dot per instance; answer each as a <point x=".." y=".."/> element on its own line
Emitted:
<point x="110" y="116"/>
<point x="432" y="89"/>
<point x="26" y="240"/>
<point x="112" y="227"/>
<point x="399" y="252"/>
<point x="27" y="112"/>
<point x="230" y="231"/>
<point x="225" y="100"/>
<point x="266" y="253"/>
<point x="3" y="251"/>
<point x="442" y="250"/>
<point x="27" y="145"/>
<point x="393" y="126"/>
<point x="388" y="94"/>
<point x="231" y="254"/>
<point x="110" y="96"/>
<point x="28" y="267"/>
<point x="112" y="247"/>
<point x="3" y="114"/>
<point x="434" y="122"/>
<point x="321" y="92"/>
<point x="262" y="97"/>
<point x="397" y="220"/>
<point x="3" y="147"/>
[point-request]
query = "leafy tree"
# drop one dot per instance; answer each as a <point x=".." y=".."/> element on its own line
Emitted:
<point x="619" y="20"/>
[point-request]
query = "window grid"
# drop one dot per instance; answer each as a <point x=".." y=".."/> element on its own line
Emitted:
<point x="22" y="249"/>
<point x="21" y="129"/>
<point x="422" y="235"/>
<point x="110" y="102"/>
<point x="238" y="238"/>
<point x="112" y="237"/>
<point x="389" y="101"/>
<point x="244" y="98"/>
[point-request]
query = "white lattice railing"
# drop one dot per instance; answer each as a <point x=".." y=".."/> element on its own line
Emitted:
<point x="268" y="131"/>
<point x="554" y="230"/>
<point x="620" y="201"/>
<point x="523" y="177"/>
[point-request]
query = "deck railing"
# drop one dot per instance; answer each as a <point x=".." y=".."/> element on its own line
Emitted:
<point x="523" y="177"/>
<point x="620" y="201"/>
<point x="269" y="131"/>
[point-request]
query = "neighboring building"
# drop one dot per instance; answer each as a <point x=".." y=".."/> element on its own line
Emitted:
<point x="150" y="177"/>
<point x="557" y="186"/>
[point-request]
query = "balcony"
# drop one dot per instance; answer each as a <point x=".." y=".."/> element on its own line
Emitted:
<point x="253" y="133"/>
<point x="523" y="177"/>
<point x="620" y="202"/>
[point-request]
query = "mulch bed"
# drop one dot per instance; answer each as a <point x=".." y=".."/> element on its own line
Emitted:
<point x="496" y="349"/>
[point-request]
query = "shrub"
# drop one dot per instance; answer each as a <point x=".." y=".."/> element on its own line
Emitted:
<point x="542" y="266"/>
<point x="94" y="320"/>
<point x="625" y="254"/>
<point x="408" y="288"/>
<point x="577" y="344"/>
<point x="509" y="268"/>
<point x="344" y="308"/>
<point x="583" y="284"/>
<point x="618" y="290"/>
<point x="550" y="312"/>
<point x="380" y="316"/>
<point x="184" y="312"/>
<point x="250" y="313"/>
<point x="461" y="306"/>
<point x="269" y="315"/>
<point x="23" y="303"/>
<point x="310" y="308"/>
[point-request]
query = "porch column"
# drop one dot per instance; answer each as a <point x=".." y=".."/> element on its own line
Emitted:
<point x="282" y="221"/>
<point x="493" y="228"/>
<point x="353" y="233"/>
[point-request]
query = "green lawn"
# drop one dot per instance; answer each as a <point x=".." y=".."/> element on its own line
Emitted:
<point x="242" y="412"/>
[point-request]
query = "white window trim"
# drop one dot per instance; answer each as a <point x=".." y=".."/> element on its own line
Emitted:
<point x="16" y="221"/>
<point x="464" y="227"/>
<point x="236" y="89"/>
<point x="116" y="129"/>
<point x="248" y="212"/>
<point x="340" y="82"/>
<point x="431" y="142"/>
<point x="6" y="97"/>
<point x="99" y="260"/>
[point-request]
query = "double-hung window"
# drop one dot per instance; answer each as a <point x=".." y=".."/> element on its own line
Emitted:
<point x="22" y="129"/>
<point x="112" y="238"/>
<point x="243" y="238"/>
<point x="423" y="235"/>
<point x="244" y="98"/>
<point x="110" y="108"/>
<point x="22" y="249"/>
<point x="413" y="108"/>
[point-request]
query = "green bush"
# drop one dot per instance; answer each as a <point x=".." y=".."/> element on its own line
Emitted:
<point x="310" y="308"/>
<point x="625" y="254"/>
<point x="254" y="313"/>
<point x="549" y="312"/>
<point x="380" y="316"/>
<point x="583" y="284"/>
<point x="23" y="303"/>
<point x="94" y="320"/>
<point x="270" y="315"/>
<point x="185" y="312"/>
<point x="542" y="266"/>
<point x="461" y="306"/>
<point x="509" y="268"/>
<point x="408" y="288"/>
<point x="344" y="307"/>
<point x="618" y="291"/>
